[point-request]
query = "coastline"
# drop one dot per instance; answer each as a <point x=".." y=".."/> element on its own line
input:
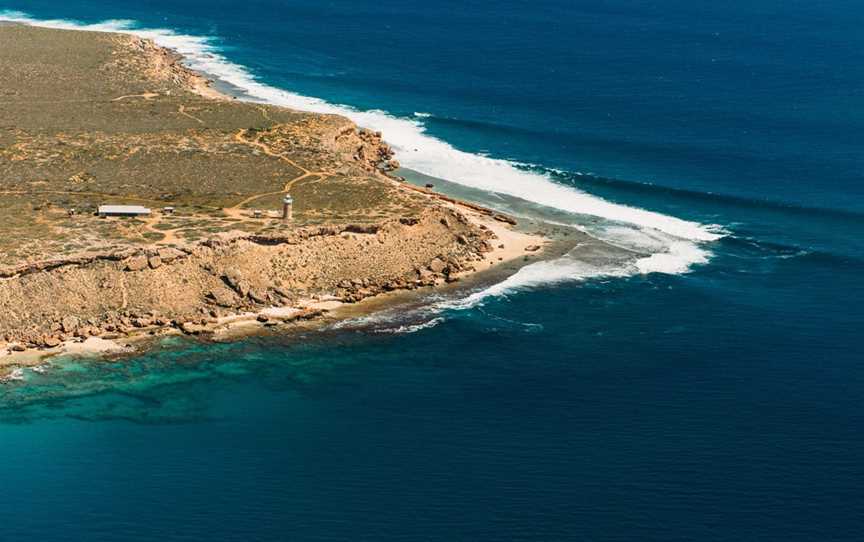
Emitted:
<point x="507" y="257"/>
<point x="573" y="396"/>
<point x="506" y="245"/>
<point x="509" y="254"/>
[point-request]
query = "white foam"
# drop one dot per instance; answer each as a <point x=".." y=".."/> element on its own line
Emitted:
<point x="411" y="328"/>
<point x="678" y="258"/>
<point x="675" y="244"/>
<point x="543" y="273"/>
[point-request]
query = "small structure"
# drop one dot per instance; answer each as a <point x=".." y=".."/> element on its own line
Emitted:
<point x="287" y="208"/>
<point x="167" y="210"/>
<point x="122" y="210"/>
<point x="257" y="213"/>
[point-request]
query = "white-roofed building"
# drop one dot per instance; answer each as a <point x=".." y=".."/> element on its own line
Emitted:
<point x="122" y="210"/>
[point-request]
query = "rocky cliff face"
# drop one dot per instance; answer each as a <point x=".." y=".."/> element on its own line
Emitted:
<point x="41" y="305"/>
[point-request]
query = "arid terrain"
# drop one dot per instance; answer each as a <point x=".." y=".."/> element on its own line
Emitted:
<point x="88" y="119"/>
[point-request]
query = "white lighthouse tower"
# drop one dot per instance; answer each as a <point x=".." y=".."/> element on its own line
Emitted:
<point x="287" y="208"/>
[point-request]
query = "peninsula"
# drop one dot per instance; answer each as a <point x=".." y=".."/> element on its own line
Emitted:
<point x="91" y="119"/>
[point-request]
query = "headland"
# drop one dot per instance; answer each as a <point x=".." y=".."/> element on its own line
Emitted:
<point x="90" y="119"/>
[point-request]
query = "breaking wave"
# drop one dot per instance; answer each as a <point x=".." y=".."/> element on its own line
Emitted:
<point x="675" y="244"/>
<point x="412" y="328"/>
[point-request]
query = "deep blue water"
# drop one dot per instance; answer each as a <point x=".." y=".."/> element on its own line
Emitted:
<point x="722" y="404"/>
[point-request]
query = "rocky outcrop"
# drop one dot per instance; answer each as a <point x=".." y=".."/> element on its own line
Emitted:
<point x="133" y="261"/>
<point x="374" y="152"/>
<point x="136" y="263"/>
<point x="187" y="288"/>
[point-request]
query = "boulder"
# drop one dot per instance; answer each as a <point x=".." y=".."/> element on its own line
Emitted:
<point x="281" y="293"/>
<point x="155" y="262"/>
<point x="437" y="265"/>
<point x="234" y="279"/>
<point x="136" y="263"/>
<point x="191" y="328"/>
<point x="222" y="297"/>
<point x="69" y="324"/>
<point x="257" y="297"/>
<point x="142" y="322"/>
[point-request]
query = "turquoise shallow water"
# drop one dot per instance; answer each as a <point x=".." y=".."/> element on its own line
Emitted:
<point x="720" y="404"/>
<point x="502" y="423"/>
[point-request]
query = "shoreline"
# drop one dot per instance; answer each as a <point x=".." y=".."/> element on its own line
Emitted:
<point x="501" y="242"/>
<point x="504" y="244"/>
<point x="510" y="248"/>
<point x="499" y="264"/>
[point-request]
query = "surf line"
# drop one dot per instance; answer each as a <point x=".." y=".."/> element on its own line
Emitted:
<point x="680" y="241"/>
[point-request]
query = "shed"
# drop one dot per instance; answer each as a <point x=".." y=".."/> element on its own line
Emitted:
<point x="122" y="210"/>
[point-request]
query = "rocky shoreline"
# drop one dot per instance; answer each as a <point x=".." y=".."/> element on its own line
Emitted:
<point x="221" y="283"/>
<point x="360" y="233"/>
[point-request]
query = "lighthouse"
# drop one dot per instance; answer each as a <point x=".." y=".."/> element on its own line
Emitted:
<point x="287" y="208"/>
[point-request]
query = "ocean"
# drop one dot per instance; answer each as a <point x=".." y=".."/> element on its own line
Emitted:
<point x="712" y="390"/>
